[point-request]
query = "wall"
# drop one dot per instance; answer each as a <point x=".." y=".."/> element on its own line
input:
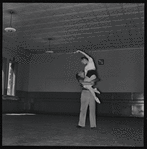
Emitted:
<point x="54" y="73"/>
<point x="54" y="89"/>
<point x="48" y="84"/>
<point x="123" y="71"/>
<point x="23" y="77"/>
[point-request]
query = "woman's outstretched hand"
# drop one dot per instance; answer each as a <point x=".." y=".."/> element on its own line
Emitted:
<point x="77" y="51"/>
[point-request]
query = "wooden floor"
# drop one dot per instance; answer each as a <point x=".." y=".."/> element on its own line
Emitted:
<point x="60" y="130"/>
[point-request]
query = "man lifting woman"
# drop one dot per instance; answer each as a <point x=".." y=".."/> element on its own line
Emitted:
<point x="89" y="74"/>
<point x="87" y="80"/>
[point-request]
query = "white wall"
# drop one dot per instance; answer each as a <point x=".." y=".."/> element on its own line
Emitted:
<point x="123" y="71"/>
<point x="55" y="73"/>
<point x="22" y="77"/>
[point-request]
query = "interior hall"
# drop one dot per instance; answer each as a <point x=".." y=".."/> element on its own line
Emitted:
<point x="45" y="101"/>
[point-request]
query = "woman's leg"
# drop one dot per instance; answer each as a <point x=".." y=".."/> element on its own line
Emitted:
<point x="96" y="90"/>
<point x="93" y="93"/>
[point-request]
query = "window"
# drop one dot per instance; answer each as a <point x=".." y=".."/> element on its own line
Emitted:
<point x="3" y="78"/>
<point x="4" y="63"/>
<point x="2" y="82"/>
<point x="11" y="79"/>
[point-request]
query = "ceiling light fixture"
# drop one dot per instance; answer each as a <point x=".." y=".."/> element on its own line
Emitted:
<point x="10" y="29"/>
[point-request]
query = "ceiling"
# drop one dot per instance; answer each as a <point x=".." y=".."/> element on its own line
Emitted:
<point x="86" y="26"/>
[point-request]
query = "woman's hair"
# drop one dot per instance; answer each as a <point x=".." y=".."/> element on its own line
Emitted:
<point x="84" y="57"/>
<point x="78" y="77"/>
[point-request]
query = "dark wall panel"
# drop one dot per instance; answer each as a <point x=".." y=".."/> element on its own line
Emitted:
<point x="104" y="109"/>
<point x="112" y="104"/>
<point x="57" y="107"/>
<point x="121" y="109"/>
<point x="11" y="106"/>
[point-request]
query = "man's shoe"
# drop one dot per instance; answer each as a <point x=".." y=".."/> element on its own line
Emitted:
<point x="79" y="126"/>
<point x="92" y="127"/>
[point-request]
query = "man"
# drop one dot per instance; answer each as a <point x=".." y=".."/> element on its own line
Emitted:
<point x="87" y="99"/>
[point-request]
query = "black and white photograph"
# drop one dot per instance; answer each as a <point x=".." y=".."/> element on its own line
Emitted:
<point x="73" y="74"/>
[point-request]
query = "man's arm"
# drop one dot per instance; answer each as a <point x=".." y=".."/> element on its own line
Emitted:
<point x="88" y="79"/>
<point x="86" y="83"/>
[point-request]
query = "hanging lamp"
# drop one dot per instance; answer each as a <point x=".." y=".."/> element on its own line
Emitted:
<point x="10" y="29"/>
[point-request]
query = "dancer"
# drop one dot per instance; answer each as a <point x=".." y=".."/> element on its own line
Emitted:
<point x="90" y="73"/>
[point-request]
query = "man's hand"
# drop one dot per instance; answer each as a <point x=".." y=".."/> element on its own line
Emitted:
<point x="86" y="83"/>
